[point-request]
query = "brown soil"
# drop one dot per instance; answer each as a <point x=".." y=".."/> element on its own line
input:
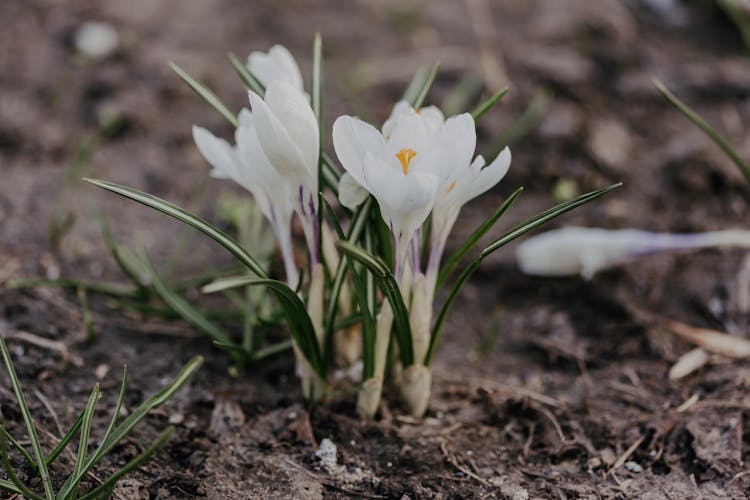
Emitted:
<point x="543" y="388"/>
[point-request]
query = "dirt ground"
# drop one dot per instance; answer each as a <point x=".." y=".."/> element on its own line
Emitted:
<point x="544" y="388"/>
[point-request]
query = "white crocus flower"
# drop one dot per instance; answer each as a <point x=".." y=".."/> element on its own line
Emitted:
<point x="247" y="165"/>
<point x="463" y="185"/>
<point x="586" y="251"/>
<point x="288" y="134"/>
<point x="404" y="168"/>
<point x="351" y="192"/>
<point x="276" y="65"/>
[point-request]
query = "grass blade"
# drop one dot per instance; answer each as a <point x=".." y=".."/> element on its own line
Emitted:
<point x="6" y="435"/>
<point x="118" y="406"/>
<point x="110" y="482"/>
<point x="15" y="483"/>
<point x="67" y="438"/>
<point x="706" y="128"/>
<point x="248" y="78"/>
<point x="271" y="350"/>
<point x="425" y="88"/>
<point x="28" y="421"/>
<point x="487" y="105"/>
<point x="390" y="288"/>
<point x="186" y="217"/>
<point x="131" y="421"/>
<point x="113" y="289"/>
<point x="207" y="95"/>
<point x="452" y="261"/>
<point x="183" y="307"/>
<point x="83" y="444"/>
<point x="296" y="315"/>
<point x="316" y="101"/>
<point x="9" y="486"/>
<point x="366" y="311"/>
<point x="515" y="232"/>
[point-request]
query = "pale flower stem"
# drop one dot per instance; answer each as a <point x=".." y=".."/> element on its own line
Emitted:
<point x="287" y="254"/>
<point x="372" y="388"/>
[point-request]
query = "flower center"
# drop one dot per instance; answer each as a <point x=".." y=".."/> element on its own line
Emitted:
<point x="405" y="156"/>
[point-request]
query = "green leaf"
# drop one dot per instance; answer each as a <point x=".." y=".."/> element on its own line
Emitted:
<point x="83" y="443"/>
<point x="184" y="216"/>
<point x="515" y="232"/>
<point x="206" y="94"/>
<point x="316" y="101"/>
<point x="6" y="435"/>
<point x="28" y="421"/>
<point x="390" y="288"/>
<point x="271" y="350"/>
<point x="487" y="105"/>
<point x="361" y="292"/>
<point x="110" y="482"/>
<point x="182" y="306"/>
<point x="706" y="128"/>
<point x="425" y="88"/>
<point x="131" y="421"/>
<point x="452" y="261"/>
<point x="15" y="484"/>
<point x="296" y="315"/>
<point x="250" y="80"/>
<point x="67" y="438"/>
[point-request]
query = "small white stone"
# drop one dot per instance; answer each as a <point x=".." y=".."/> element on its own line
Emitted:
<point x="96" y="39"/>
<point x="389" y="464"/>
<point x="327" y="455"/>
<point x="633" y="466"/>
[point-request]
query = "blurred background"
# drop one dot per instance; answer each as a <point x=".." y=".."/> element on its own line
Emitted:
<point x="85" y="90"/>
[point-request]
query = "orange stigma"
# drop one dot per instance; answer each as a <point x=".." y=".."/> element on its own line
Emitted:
<point x="450" y="188"/>
<point x="405" y="156"/>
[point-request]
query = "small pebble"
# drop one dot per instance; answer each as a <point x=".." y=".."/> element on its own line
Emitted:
<point x="633" y="466"/>
<point x="96" y="39"/>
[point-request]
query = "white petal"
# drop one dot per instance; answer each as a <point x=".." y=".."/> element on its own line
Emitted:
<point x="400" y="108"/>
<point x="405" y="200"/>
<point x="219" y="153"/>
<point x="351" y="192"/>
<point x="433" y="118"/>
<point x="451" y="149"/>
<point x="276" y="143"/>
<point x="277" y="65"/>
<point x="488" y="176"/>
<point x="352" y="138"/>
<point x="294" y="113"/>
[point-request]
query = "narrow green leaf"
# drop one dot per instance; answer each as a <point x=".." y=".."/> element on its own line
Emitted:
<point x="487" y="105"/>
<point x="9" y="486"/>
<point x="118" y="406"/>
<point x="110" y="482"/>
<point x="131" y="421"/>
<point x="452" y="261"/>
<point x="296" y="315"/>
<point x="83" y="443"/>
<point x="331" y="171"/>
<point x="67" y="438"/>
<point x="515" y="232"/>
<point x="15" y="484"/>
<point x="360" y="291"/>
<point x="415" y="85"/>
<point x="207" y="94"/>
<point x="184" y="216"/>
<point x="271" y="350"/>
<point x="390" y="288"/>
<point x="88" y="320"/>
<point x="249" y="79"/>
<point x="426" y="85"/>
<point x="28" y="421"/>
<point x="182" y="306"/>
<point x="17" y="446"/>
<point x="706" y="128"/>
<point x="113" y="289"/>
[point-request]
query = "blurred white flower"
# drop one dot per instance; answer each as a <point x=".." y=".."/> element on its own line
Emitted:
<point x="586" y="251"/>
<point x="288" y="133"/>
<point x="247" y="165"/>
<point x="276" y="65"/>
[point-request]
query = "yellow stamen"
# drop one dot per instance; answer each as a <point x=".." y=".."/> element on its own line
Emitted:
<point x="405" y="156"/>
<point x="450" y="188"/>
<point x="418" y="111"/>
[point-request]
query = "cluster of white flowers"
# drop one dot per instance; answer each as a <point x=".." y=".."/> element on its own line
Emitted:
<point x="419" y="163"/>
